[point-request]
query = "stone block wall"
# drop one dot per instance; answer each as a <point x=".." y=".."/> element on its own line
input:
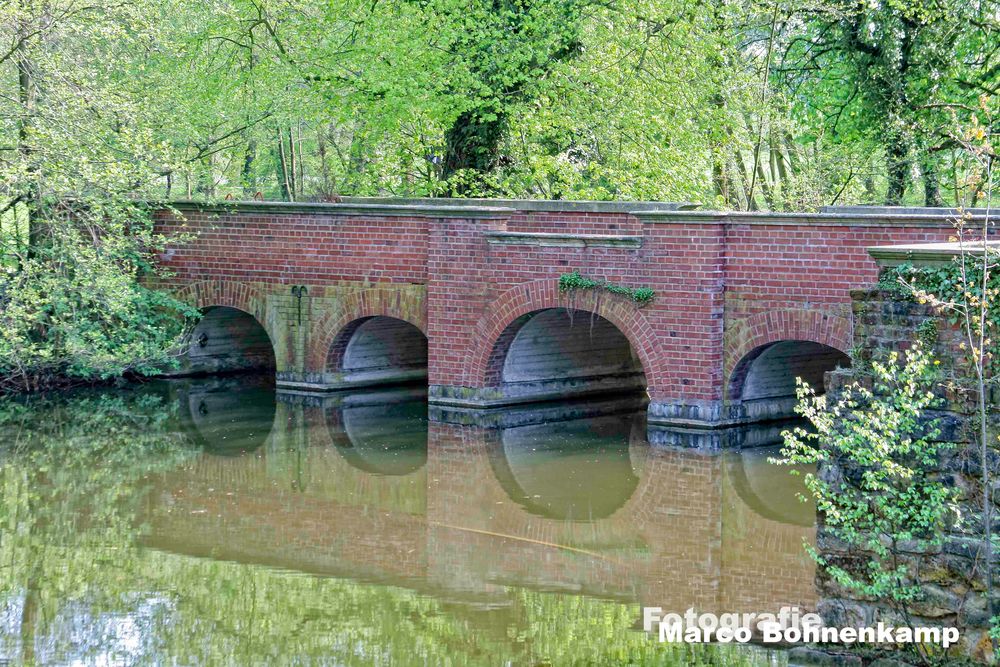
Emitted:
<point x="952" y="576"/>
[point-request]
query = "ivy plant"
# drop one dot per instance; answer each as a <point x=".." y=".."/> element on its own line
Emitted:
<point x="574" y="281"/>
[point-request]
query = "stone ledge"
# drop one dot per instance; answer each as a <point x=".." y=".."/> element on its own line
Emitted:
<point x="538" y="391"/>
<point x="533" y="205"/>
<point x="815" y="219"/>
<point x="526" y="414"/>
<point x="926" y="254"/>
<point x="322" y="208"/>
<point x="546" y="239"/>
<point x="328" y="382"/>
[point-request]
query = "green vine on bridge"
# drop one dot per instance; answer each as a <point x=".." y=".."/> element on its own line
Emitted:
<point x="574" y="281"/>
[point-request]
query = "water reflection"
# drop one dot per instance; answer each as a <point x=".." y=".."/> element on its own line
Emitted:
<point x="577" y="470"/>
<point x="226" y="416"/>
<point x="384" y="434"/>
<point x="349" y="529"/>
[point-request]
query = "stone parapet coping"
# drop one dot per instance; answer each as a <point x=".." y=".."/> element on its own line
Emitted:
<point x="646" y="212"/>
<point x="904" y="210"/>
<point x="347" y="208"/>
<point x="832" y="219"/>
<point x="533" y="205"/>
<point x="926" y="254"/>
<point x="563" y="240"/>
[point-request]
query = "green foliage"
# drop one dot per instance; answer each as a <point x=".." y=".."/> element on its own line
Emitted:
<point x="83" y="139"/>
<point x="574" y="281"/>
<point x="895" y="75"/>
<point x="75" y="310"/>
<point x="877" y="487"/>
<point x="927" y="333"/>
<point x="956" y="290"/>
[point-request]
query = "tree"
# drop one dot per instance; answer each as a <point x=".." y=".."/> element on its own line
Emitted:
<point x="876" y="488"/>
<point x="78" y="146"/>
<point x="888" y="72"/>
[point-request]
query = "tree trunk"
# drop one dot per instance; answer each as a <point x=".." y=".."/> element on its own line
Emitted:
<point x="27" y="96"/>
<point x="932" y="182"/>
<point x="473" y="143"/>
<point x="282" y="163"/>
<point x="897" y="170"/>
<point x="292" y="181"/>
<point x="246" y="175"/>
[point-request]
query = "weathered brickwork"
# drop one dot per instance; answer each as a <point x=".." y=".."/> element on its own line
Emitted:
<point x="725" y="284"/>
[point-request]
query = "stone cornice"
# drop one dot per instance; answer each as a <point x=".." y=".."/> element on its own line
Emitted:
<point x="563" y="240"/>
<point x="838" y="219"/>
<point x="926" y="254"/>
<point x="534" y="205"/>
<point x="346" y="208"/>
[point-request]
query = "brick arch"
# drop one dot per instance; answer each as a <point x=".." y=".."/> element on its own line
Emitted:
<point x="751" y="334"/>
<point x="231" y="294"/>
<point x="353" y="310"/>
<point x="518" y="302"/>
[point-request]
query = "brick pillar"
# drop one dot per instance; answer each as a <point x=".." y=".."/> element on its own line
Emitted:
<point x="684" y="257"/>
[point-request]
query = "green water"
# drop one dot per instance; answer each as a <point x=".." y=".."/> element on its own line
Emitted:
<point x="207" y="522"/>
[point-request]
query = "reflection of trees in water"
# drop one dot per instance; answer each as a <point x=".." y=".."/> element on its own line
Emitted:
<point x="78" y="472"/>
<point x="74" y="474"/>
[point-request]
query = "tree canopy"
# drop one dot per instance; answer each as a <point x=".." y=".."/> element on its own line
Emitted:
<point x="749" y="104"/>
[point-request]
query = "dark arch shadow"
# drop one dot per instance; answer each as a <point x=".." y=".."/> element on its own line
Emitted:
<point x="577" y="470"/>
<point x="763" y="383"/>
<point x="228" y="340"/>
<point x="554" y="353"/>
<point x="384" y="438"/>
<point x="226" y="416"/>
<point x="378" y="350"/>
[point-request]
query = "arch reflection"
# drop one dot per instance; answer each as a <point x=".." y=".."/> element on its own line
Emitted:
<point x="578" y="470"/>
<point x="384" y="434"/>
<point x="227" y="416"/>
<point x="770" y="490"/>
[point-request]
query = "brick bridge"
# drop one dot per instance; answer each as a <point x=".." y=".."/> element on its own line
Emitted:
<point x="466" y="294"/>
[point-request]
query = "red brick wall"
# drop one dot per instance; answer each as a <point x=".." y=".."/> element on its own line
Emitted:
<point x="298" y="247"/>
<point x="795" y="278"/>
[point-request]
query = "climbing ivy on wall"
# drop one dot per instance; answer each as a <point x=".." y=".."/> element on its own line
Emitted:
<point x="951" y="289"/>
<point x="948" y="284"/>
<point x="574" y="281"/>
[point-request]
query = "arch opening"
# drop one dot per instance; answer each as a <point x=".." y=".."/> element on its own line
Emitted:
<point x="377" y="350"/>
<point x="556" y="353"/>
<point x="763" y="383"/>
<point x="229" y="340"/>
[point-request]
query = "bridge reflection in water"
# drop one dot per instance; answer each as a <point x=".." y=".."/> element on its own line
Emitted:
<point x="362" y="485"/>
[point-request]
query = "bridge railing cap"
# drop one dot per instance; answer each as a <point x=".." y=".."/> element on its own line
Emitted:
<point x="861" y="218"/>
<point x="346" y="208"/>
<point x="532" y="205"/>
<point x="927" y="254"/>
